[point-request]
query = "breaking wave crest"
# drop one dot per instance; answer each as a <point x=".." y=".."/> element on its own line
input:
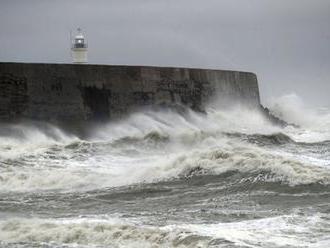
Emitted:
<point x="314" y="123"/>
<point x="30" y="138"/>
<point x="156" y="146"/>
<point x="81" y="175"/>
<point x="258" y="163"/>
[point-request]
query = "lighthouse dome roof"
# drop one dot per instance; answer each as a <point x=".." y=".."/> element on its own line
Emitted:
<point x="79" y="34"/>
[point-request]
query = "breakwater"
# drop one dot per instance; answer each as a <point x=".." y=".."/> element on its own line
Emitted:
<point x="98" y="92"/>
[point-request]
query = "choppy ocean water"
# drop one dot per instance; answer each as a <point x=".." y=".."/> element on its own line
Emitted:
<point x="163" y="179"/>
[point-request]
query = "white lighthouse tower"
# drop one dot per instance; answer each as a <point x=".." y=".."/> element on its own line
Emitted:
<point x="79" y="48"/>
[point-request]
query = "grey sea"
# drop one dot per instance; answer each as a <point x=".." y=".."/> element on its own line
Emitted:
<point x="227" y="178"/>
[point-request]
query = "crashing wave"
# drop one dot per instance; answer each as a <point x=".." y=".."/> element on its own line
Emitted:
<point x="159" y="146"/>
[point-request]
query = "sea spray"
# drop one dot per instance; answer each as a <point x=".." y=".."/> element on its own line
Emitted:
<point x="167" y="179"/>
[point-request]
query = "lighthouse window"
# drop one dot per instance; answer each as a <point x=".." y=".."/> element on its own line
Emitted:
<point x="80" y="43"/>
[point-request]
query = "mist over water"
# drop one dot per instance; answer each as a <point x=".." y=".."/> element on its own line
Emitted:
<point x="227" y="178"/>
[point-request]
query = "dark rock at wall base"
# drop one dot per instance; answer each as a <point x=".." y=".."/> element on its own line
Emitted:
<point x="76" y="92"/>
<point x="274" y="119"/>
<point x="268" y="115"/>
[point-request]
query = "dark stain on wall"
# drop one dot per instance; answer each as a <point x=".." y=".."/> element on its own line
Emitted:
<point x="97" y="100"/>
<point x="13" y="95"/>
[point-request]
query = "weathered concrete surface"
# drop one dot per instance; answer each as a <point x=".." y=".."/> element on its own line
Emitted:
<point x="88" y="92"/>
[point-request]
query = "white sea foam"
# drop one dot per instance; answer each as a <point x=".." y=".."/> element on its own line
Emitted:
<point x="92" y="232"/>
<point x="40" y="159"/>
<point x="287" y="230"/>
<point x="110" y="171"/>
<point x="158" y="146"/>
<point x="283" y="231"/>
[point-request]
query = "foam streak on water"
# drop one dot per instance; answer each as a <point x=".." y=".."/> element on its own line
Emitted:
<point x="228" y="178"/>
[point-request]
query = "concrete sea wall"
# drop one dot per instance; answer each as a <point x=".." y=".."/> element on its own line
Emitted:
<point x="92" y="92"/>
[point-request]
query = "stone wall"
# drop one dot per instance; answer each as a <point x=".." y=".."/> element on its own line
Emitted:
<point x="87" y="92"/>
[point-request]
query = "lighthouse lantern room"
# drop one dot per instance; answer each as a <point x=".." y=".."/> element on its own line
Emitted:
<point x="79" y="47"/>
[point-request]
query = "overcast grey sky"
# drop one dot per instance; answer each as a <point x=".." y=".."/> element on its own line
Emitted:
<point x="286" y="42"/>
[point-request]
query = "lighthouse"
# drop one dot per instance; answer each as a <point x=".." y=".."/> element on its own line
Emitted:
<point x="79" y="48"/>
